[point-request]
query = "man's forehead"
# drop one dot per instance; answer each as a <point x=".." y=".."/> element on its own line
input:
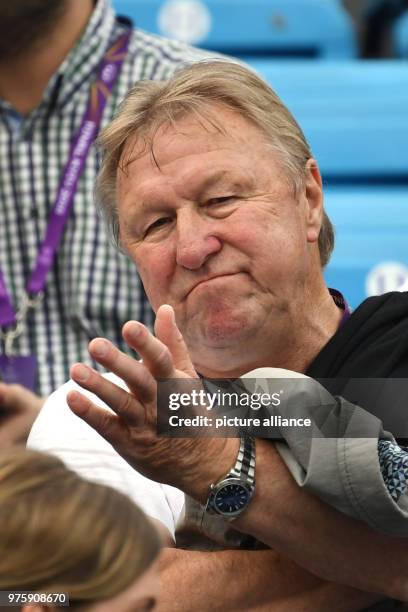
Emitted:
<point x="151" y="189"/>
<point x="215" y="128"/>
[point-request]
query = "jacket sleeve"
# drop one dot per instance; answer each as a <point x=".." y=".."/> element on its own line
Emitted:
<point x="347" y="459"/>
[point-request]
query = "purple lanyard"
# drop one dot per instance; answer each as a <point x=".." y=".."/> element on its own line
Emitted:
<point x="108" y="74"/>
<point x="341" y="303"/>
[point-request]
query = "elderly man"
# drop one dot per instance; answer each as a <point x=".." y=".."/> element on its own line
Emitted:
<point x="209" y="185"/>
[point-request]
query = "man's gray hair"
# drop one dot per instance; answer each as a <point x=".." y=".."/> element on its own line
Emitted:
<point x="195" y="89"/>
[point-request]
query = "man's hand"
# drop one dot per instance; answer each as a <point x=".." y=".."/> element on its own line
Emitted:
<point x="185" y="463"/>
<point x="19" y="408"/>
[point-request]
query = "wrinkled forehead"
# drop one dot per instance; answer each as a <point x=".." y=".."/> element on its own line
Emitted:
<point x="213" y="124"/>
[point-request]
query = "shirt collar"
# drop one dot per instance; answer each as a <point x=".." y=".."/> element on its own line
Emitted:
<point x="85" y="56"/>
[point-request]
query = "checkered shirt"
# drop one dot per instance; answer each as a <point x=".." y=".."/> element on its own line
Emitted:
<point x="92" y="289"/>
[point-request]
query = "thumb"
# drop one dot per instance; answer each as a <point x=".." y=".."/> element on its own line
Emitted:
<point x="166" y="331"/>
<point x="7" y="396"/>
<point x="3" y="390"/>
<point x="16" y="397"/>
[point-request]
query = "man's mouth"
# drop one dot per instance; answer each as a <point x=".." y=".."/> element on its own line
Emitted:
<point x="208" y="279"/>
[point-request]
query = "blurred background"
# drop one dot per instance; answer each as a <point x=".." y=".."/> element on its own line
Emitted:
<point x="341" y="66"/>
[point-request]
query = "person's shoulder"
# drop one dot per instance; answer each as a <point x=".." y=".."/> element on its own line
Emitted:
<point x="373" y="343"/>
<point x="393" y="303"/>
<point x="157" y="56"/>
<point x="380" y="318"/>
<point x="60" y="432"/>
<point x="145" y="42"/>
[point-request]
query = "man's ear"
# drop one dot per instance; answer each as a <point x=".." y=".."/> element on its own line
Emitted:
<point x="314" y="200"/>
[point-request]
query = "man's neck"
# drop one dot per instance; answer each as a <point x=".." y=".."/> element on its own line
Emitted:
<point x="300" y="343"/>
<point x="321" y="324"/>
<point x="24" y="78"/>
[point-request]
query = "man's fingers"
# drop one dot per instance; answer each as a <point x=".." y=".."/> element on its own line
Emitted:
<point x="167" y="331"/>
<point x="156" y="356"/>
<point x="19" y="408"/>
<point x="16" y="398"/>
<point x="107" y="424"/>
<point x="14" y="431"/>
<point x="135" y="374"/>
<point x="121" y="401"/>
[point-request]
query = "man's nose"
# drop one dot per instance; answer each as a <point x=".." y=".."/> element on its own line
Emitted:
<point x="196" y="241"/>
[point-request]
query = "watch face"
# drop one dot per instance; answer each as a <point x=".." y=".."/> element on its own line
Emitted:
<point x="231" y="498"/>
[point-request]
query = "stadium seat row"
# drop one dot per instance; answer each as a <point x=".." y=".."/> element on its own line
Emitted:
<point x="304" y="28"/>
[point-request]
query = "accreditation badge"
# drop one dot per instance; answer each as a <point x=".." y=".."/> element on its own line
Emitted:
<point x="19" y="369"/>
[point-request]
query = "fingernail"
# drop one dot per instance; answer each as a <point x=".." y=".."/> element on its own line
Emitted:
<point x="135" y="331"/>
<point x="171" y="309"/>
<point x="73" y="397"/>
<point x="100" y="348"/>
<point x="74" y="400"/>
<point x="81" y="373"/>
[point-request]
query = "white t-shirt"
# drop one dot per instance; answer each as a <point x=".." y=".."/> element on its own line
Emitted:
<point x="57" y="430"/>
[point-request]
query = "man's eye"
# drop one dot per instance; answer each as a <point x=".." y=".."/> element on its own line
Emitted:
<point x="222" y="200"/>
<point x="157" y="224"/>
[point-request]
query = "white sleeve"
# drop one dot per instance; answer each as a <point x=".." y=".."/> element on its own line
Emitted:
<point x="59" y="432"/>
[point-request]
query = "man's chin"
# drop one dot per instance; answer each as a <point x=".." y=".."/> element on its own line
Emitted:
<point x="219" y="333"/>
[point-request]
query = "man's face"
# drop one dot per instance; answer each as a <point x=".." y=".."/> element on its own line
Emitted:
<point x="24" y="23"/>
<point x="216" y="231"/>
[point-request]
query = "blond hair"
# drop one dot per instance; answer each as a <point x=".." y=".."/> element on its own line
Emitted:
<point x="61" y="533"/>
<point x="195" y="89"/>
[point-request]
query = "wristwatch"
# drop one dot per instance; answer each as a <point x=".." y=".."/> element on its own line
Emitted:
<point x="231" y="495"/>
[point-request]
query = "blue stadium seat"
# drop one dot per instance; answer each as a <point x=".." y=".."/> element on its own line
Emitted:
<point x="354" y="113"/>
<point x="313" y="28"/>
<point x="355" y="116"/>
<point x="371" y="253"/>
<point x="401" y="36"/>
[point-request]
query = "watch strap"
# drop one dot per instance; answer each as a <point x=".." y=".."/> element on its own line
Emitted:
<point x="244" y="467"/>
